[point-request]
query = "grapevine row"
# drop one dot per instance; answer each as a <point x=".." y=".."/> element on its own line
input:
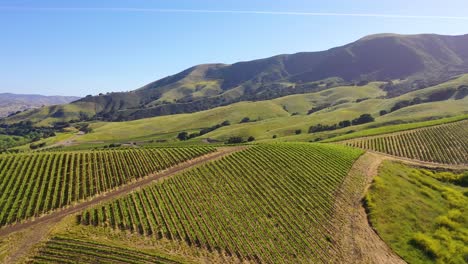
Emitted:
<point x="447" y="144"/>
<point x="267" y="204"/>
<point x="34" y="184"/>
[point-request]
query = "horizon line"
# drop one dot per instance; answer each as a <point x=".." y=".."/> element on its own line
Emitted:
<point x="257" y="12"/>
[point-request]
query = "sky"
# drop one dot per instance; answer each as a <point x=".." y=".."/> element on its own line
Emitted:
<point x="86" y="47"/>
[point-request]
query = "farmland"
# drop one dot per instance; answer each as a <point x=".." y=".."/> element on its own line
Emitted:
<point x="37" y="183"/>
<point x="446" y="143"/>
<point x="269" y="203"/>
<point x="421" y="213"/>
<point x="67" y="250"/>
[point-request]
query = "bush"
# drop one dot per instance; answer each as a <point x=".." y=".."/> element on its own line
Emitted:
<point x="250" y="139"/>
<point x="235" y="140"/>
<point x="426" y="244"/>
<point x="298" y="131"/>
<point x="344" y="123"/>
<point x="275" y="136"/>
<point x="245" y="120"/>
<point x="182" y="136"/>
<point x="383" y="112"/>
<point x="364" y="118"/>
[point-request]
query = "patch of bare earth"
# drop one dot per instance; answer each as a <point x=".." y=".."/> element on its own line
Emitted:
<point x="355" y="239"/>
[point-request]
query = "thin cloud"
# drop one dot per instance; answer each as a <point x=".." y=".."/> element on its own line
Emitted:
<point x="207" y="11"/>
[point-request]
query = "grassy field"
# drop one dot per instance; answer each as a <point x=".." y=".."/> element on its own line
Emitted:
<point x="421" y="214"/>
<point x="282" y="117"/>
<point x="37" y="183"/>
<point x="447" y="143"/>
<point x="270" y="203"/>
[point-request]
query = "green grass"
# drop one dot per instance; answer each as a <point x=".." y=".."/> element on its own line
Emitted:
<point x="274" y="117"/>
<point x="269" y="203"/>
<point x="420" y="214"/>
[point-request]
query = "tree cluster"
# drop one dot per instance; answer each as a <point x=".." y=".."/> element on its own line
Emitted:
<point x="364" y="118"/>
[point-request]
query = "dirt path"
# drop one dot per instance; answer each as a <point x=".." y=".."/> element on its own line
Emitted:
<point x="420" y="163"/>
<point x="356" y="239"/>
<point x="40" y="227"/>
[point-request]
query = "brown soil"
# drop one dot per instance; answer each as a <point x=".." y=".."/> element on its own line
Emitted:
<point x="356" y="240"/>
<point x="37" y="229"/>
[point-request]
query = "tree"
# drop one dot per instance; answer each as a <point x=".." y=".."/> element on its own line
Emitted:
<point x="235" y="140"/>
<point x="245" y="120"/>
<point x="298" y="131"/>
<point x="182" y="136"/>
<point x="383" y="112"/>
<point x="364" y="118"/>
<point x="250" y="139"/>
<point x="275" y="136"/>
<point x="344" y="123"/>
<point x="226" y="123"/>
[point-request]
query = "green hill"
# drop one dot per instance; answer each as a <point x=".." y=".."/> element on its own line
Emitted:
<point x="283" y="116"/>
<point x="412" y="62"/>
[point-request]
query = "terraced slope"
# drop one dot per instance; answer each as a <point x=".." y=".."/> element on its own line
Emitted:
<point x="447" y="144"/>
<point x="270" y="204"/>
<point x="34" y="184"/>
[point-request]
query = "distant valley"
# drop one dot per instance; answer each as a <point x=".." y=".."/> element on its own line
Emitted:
<point x="11" y="103"/>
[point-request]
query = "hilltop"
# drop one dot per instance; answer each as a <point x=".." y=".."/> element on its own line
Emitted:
<point x="404" y="62"/>
<point x="12" y="103"/>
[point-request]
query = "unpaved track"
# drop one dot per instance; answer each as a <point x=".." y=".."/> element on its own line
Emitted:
<point x="420" y="163"/>
<point x="357" y="240"/>
<point x="122" y="190"/>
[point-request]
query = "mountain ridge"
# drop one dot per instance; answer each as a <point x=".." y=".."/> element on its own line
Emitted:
<point x="414" y="61"/>
<point x="11" y="103"/>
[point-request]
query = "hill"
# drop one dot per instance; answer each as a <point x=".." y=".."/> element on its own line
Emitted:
<point x="12" y="103"/>
<point x="405" y="62"/>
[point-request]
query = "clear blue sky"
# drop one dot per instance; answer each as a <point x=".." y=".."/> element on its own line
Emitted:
<point x="90" y="46"/>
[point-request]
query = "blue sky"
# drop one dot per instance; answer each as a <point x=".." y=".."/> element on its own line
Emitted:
<point x="90" y="46"/>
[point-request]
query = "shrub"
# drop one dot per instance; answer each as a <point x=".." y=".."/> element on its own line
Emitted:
<point x="235" y="140"/>
<point x="182" y="136"/>
<point x="364" y="118"/>
<point x="298" y="131"/>
<point x="383" y="112"/>
<point x="250" y="139"/>
<point x="245" y="120"/>
<point x="426" y="244"/>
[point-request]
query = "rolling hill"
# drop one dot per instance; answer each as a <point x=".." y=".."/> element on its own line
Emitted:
<point x="12" y="103"/>
<point x="404" y="62"/>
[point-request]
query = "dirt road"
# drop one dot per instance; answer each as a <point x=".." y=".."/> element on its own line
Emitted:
<point x="356" y="239"/>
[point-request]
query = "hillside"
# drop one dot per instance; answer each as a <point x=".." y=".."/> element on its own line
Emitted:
<point x="404" y="62"/>
<point x="282" y="117"/>
<point x="12" y="103"/>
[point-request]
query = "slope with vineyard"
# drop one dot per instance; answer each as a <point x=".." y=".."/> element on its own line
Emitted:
<point x="268" y="204"/>
<point x="447" y="143"/>
<point x="37" y="183"/>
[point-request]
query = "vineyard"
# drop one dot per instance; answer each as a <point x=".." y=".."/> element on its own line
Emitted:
<point x="446" y="143"/>
<point x="68" y="250"/>
<point x="269" y="204"/>
<point x="34" y="184"/>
